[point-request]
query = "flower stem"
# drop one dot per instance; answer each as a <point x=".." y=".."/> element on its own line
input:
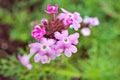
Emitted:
<point x="53" y="18"/>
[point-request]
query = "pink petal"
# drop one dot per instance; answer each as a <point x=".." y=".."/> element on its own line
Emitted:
<point x="25" y="61"/>
<point x="68" y="52"/>
<point x="50" y="42"/>
<point x="59" y="52"/>
<point x="56" y="7"/>
<point x="33" y="50"/>
<point x="48" y="6"/>
<point x="61" y="16"/>
<point x="77" y="17"/>
<point x="59" y="44"/>
<point x="37" y="57"/>
<point x="74" y="38"/>
<point x="76" y="25"/>
<point x="34" y="47"/>
<point x="73" y="49"/>
<point x="29" y="66"/>
<point x="65" y="33"/>
<point x="34" y="44"/>
<point x="85" y="31"/>
<point x="43" y="40"/>
<point x="44" y="59"/>
<point x="86" y="19"/>
<point x="51" y="54"/>
<point x="65" y="11"/>
<point x="57" y="35"/>
<point x="94" y="22"/>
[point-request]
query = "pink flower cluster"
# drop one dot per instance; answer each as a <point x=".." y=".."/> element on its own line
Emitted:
<point x="53" y="38"/>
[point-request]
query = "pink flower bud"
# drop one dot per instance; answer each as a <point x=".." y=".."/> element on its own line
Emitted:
<point x="44" y="21"/>
<point x="52" y="9"/>
<point x="38" y="32"/>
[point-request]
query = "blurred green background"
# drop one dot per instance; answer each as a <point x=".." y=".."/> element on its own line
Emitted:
<point x="98" y="56"/>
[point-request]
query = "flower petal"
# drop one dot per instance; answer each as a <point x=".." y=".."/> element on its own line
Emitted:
<point x="85" y="31"/>
<point x="29" y="66"/>
<point x="58" y="36"/>
<point x="76" y="25"/>
<point x="68" y="52"/>
<point x="37" y="57"/>
<point x="65" y="33"/>
<point x="59" y="52"/>
<point x="65" y="11"/>
<point x="61" y="16"/>
<point x="50" y="42"/>
<point x="74" y="38"/>
<point x="34" y="45"/>
<point x="73" y="49"/>
<point x="44" y="59"/>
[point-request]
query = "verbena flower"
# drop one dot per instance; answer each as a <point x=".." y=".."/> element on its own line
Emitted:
<point x="70" y="18"/>
<point x="66" y="42"/>
<point x="42" y="49"/>
<point x="52" y="36"/>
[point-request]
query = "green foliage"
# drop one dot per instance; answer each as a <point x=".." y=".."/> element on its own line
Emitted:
<point x="97" y="57"/>
<point x="12" y="67"/>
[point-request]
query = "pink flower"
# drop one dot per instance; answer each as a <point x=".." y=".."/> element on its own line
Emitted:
<point x="25" y="60"/>
<point x="52" y="9"/>
<point x="70" y="18"/>
<point x="43" y="49"/>
<point x="66" y="43"/>
<point x="38" y="32"/>
<point x="47" y="48"/>
<point x="91" y="21"/>
<point x="85" y="31"/>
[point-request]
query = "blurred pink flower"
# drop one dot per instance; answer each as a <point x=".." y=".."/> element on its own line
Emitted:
<point x="52" y="9"/>
<point x="91" y="21"/>
<point x="66" y="42"/>
<point x="70" y="18"/>
<point x="38" y="32"/>
<point x="25" y="60"/>
<point x="85" y="31"/>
